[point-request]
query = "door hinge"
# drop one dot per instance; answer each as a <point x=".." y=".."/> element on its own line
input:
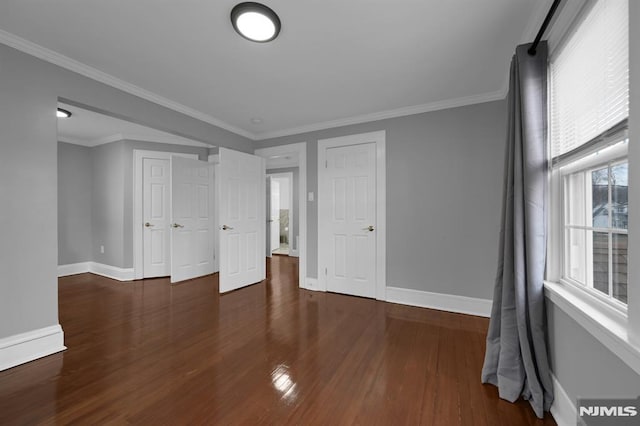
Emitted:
<point x="326" y="164"/>
<point x="325" y="271"/>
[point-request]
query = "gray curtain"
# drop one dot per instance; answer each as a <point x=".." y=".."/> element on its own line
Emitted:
<point x="516" y="360"/>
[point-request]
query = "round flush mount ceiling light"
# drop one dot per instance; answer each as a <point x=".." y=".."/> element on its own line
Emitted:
<point x="63" y="113"/>
<point x="255" y="22"/>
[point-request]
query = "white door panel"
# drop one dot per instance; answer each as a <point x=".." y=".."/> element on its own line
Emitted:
<point x="242" y="219"/>
<point x="156" y="212"/>
<point x="348" y="191"/>
<point x="192" y="219"/>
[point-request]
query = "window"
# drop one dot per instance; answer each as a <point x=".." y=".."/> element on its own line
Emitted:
<point x="595" y="222"/>
<point x="589" y="106"/>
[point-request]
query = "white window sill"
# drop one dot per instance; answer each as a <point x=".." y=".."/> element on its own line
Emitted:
<point x="605" y="324"/>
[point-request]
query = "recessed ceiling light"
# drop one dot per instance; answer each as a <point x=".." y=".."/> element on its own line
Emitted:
<point x="255" y="22"/>
<point x="256" y="120"/>
<point x="63" y="113"/>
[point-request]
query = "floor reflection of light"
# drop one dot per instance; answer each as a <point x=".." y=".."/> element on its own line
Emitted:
<point x="283" y="383"/>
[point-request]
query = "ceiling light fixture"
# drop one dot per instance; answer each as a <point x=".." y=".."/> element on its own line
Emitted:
<point x="255" y="22"/>
<point x="63" y="113"/>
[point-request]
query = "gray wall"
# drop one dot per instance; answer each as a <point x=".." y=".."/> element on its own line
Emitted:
<point x="295" y="187"/>
<point x="106" y="199"/>
<point x="444" y="188"/>
<point x="107" y="203"/>
<point x="29" y="93"/>
<point x="74" y="203"/>
<point x="584" y="366"/>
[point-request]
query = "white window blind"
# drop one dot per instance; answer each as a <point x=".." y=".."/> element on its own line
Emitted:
<point x="590" y="77"/>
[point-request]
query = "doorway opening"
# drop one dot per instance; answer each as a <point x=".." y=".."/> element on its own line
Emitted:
<point x="122" y="187"/>
<point x="292" y="158"/>
<point x="281" y="213"/>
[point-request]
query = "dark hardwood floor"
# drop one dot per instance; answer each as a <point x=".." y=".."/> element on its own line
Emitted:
<point x="150" y="353"/>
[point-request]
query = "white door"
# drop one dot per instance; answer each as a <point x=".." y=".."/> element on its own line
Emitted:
<point x="275" y="215"/>
<point x="156" y="214"/>
<point x="242" y="219"/>
<point x="192" y="219"/>
<point x="348" y="217"/>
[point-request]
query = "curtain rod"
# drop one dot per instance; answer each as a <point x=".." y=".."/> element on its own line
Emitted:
<point x="543" y="28"/>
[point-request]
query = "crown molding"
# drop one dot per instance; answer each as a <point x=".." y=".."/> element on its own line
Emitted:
<point x="131" y="137"/>
<point x="72" y="141"/>
<point x="63" y="61"/>
<point x="393" y="113"/>
<point x="50" y="56"/>
<point x="107" y="139"/>
<point x="165" y="140"/>
<point x="530" y="31"/>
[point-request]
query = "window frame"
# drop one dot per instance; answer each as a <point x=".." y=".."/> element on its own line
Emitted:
<point x="610" y="151"/>
<point x="616" y="330"/>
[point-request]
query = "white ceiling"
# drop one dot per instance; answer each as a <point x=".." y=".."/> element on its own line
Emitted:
<point x="89" y="128"/>
<point x="335" y="62"/>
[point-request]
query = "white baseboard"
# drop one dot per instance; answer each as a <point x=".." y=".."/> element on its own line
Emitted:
<point x="312" y="284"/>
<point x="293" y="253"/>
<point x="113" y="272"/>
<point x="439" y="301"/>
<point x="73" y="269"/>
<point x="25" y="347"/>
<point x="563" y="409"/>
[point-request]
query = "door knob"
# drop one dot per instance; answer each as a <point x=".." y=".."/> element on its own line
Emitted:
<point x="177" y="225"/>
<point x="369" y="228"/>
<point x="148" y="225"/>
<point x="225" y="227"/>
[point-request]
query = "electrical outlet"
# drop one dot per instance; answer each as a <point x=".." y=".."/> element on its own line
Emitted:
<point x="101" y="249"/>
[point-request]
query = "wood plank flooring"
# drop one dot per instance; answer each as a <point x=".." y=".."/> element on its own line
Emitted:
<point x="150" y="353"/>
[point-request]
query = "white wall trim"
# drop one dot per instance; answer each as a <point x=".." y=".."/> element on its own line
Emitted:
<point x="392" y="113"/>
<point x="292" y="218"/>
<point x="440" y="301"/>
<point x="56" y="58"/>
<point x="538" y="15"/>
<point x="73" y="269"/>
<point x="138" y="156"/>
<point x="610" y="330"/>
<point x="563" y="409"/>
<point x="25" y="347"/>
<point x="215" y="160"/>
<point x="379" y="138"/>
<point x="113" y="272"/>
<point x="301" y="150"/>
<point x="71" y="64"/>
<point x="155" y="139"/>
<point x="312" y="284"/>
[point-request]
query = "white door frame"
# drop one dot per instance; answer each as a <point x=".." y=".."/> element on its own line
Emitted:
<point x="138" y="156"/>
<point x="288" y="175"/>
<point x="381" y="201"/>
<point x="301" y="150"/>
<point x="215" y="159"/>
